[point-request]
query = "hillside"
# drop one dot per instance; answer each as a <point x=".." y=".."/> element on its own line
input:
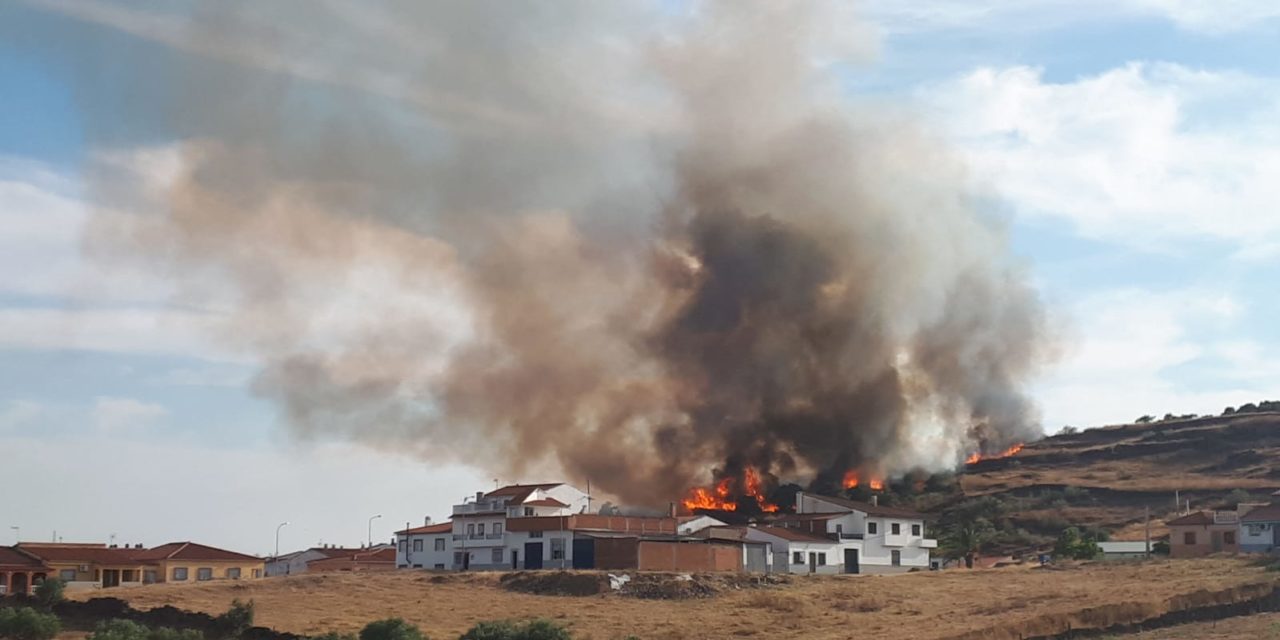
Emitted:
<point x="1106" y="477"/>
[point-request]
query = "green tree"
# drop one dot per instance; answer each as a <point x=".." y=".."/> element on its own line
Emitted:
<point x="119" y="630"/>
<point x="1071" y="544"/>
<point x="165" y="633"/>
<point x="966" y="538"/>
<point x="25" y="623"/>
<point x="50" y="592"/>
<point x="236" y="620"/>
<point x="391" y="629"/>
<point x="507" y="630"/>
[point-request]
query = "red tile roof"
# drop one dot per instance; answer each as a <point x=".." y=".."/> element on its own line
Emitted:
<point x="193" y="551"/>
<point x="517" y="493"/>
<point x="872" y="509"/>
<point x="15" y="559"/>
<point x="443" y="527"/>
<point x="545" y="502"/>
<point x="1197" y="518"/>
<point x="1269" y="513"/>
<point x="794" y="535"/>
<point x="82" y="553"/>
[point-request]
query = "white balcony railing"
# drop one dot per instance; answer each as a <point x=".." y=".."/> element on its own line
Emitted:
<point x="929" y="543"/>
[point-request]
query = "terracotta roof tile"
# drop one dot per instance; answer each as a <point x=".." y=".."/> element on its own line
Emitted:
<point x="194" y="551"/>
<point x="11" y="557"/>
<point x="1196" y="518"/>
<point x="83" y="553"/>
<point x="795" y="535"/>
<point x="516" y="493"/>
<point x="443" y="527"/>
<point x="872" y="509"/>
<point x="1269" y="513"/>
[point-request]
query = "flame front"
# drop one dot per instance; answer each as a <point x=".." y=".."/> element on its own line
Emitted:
<point x="852" y="479"/>
<point x="978" y="457"/>
<point x="719" y="498"/>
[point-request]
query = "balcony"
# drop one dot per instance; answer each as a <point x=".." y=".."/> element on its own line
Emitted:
<point x="851" y="536"/>
<point x="488" y="506"/>
<point x="493" y="536"/>
<point x="899" y="540"/>
<point x="929" y="543"/>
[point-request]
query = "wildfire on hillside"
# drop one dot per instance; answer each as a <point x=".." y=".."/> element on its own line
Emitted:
<point x="852" y="479"/>
<point x="723" y="497"/>
<point x="978" y="457"/>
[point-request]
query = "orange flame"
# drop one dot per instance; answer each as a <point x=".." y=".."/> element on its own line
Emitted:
<point x="978" y="457"/>
<point x="718" y="498"/>
<point x="852" y="478"/>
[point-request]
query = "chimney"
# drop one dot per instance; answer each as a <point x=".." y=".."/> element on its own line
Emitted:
<point x="672" y="509"/>
<point x="426" y="521"/>
<point x="479" y="496"/>
<point x="875" y="500"/>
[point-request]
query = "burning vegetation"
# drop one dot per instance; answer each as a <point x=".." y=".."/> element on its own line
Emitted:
<point x="726" y="495"/>
<point x="977" y="457"/>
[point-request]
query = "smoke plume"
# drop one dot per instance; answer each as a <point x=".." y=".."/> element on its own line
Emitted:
<point x="629" y="243"/>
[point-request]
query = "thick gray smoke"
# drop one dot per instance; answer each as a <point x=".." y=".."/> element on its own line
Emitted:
<point x="631" y="244"/>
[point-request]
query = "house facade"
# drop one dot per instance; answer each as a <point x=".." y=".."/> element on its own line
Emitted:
<point x="480" y="525"/>
<point x="878" y="539"/>
<point x="98" y="566"/>
<point x="379" y="558"/>
<point x="796" y="551"/>
<point x="1204" y="532"/>
<point x="1260" y="529"/>
<point x="427" y="547"/>
<point x="19" y="571"/>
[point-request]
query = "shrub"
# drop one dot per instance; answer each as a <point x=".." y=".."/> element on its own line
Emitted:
<point x="119" y="630"/>
<point x="165" y="633"/>
<point x="334" y="635"/>
<point x="26" y="623"/>
<point x="391" y="629"/>
<point x="1071" y="544"/>
<point x="236" y="620"/>
<point x="507" y="630"/>
<point x="50" y="592"/>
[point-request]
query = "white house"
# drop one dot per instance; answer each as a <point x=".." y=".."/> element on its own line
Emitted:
<point x="1260" y="529"/>
<point x="796" y="551"/>
<point x="881" y="539"/>
<point x="427" y="547"/>
<point x="480" y="537"/>
<point x="296" y="562"/>
<point x="689" y="525"/>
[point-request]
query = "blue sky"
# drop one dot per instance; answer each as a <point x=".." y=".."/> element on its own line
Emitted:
<point x="1133" y="145"/>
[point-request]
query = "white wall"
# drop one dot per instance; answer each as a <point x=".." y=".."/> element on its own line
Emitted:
<point x="408" y="557"/>
<point x="295" y="564"/>
<point x="517" y="539"/>
<point x="877" y="552"/>
<point x="1258" y="535"/>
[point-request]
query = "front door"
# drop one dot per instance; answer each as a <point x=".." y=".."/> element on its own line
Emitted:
<point x="813" y="562"/>
<point x="533" y="555"/>
<point x="851" y="561"/>
<point x="584" y="553"/>
<point x="515" y="559"/>
<point x="110" y="577"/>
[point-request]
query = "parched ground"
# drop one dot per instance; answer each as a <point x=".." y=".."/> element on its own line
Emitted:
<point x="995" y="603"/>
<point x="1265" y="626"/>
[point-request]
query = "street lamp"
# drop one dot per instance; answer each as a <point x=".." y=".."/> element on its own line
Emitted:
<point x="371" y="528"/>
<point x="278" y="528"/>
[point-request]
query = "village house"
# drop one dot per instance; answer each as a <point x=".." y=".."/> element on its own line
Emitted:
<point x="1260" y="529"/>
<point x="877" y="539"/>
<point x="377" y="558"/>
<point x="1202" y="533"/>
<point x="427" y="547"/>
<point x="479" y="525"/>
<point x="301" y="561"/>
<point x="1124" y="549"/>
<point x="796" y="551"/>
<point x="96" y="566"/>
<point x="19" y="571"/>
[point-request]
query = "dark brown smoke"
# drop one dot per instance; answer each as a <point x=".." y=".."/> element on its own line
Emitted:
<point x="625" y="243"/>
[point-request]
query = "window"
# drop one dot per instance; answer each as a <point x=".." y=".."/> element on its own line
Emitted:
<point x="480" y="529"/>
<point x="149" y="576"/>
<point x="839" y="530"/>
<point x="439" y="544"/>
<point x="915" y="530"/>
<point x="497" y="555"/>
<point x="471" y="529"/>
<point x="797" y="557"/>
<point x="439" y="566"/>
<point x="233" y="573"/>
<point x="535" y="534"/>
<point x="557" y="548"/>
<point x="417" y="544"/>
<point x="457" y="558"/>
<point x="822" y="558"/>
<point x="871" y="527"/>
<point x="528" y="511"/>
<point x="67" y="575"/>
<point x="204" y="573"/>
<point x="179" y="573"/>
<point x="1228" y="537"/>
<point x="895" y="528"/>
<point x="1189" y="537"/>
<point x="404" y="546"/>
<point x="897" y="558"/>
<point x="497" y="528"/>
<point x="1255" y="530"/>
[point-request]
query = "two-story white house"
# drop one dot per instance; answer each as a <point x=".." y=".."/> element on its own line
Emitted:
<point x="796" y="551"/>
<point x="480" y="539"/>
<point x="427" y="547"/>
<point x="875" y="539"/>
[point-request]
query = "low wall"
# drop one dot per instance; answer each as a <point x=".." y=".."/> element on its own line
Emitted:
<point x="681" y="556"/>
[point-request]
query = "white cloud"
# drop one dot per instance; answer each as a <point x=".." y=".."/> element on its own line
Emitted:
<point x="1140" y="154"/>
<point x="154" y="492"/>
<point x="19" y="413"/>
<point x="1205" y="16"/>
<point x="1128" y="347"/>
<point x="125" y="415"/>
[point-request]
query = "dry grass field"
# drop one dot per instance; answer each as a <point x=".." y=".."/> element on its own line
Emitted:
<point x="1264" y="626"/>
<point x="996" y="603"/>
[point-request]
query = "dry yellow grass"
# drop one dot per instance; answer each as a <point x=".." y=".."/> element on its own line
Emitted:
<point x="922" y="605"/>
<point x="1264" y="626"/>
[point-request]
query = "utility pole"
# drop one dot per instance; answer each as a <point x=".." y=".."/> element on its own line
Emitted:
<point x="17" y="534"/>
<point x="371" y="528"/>
<point x="1146" y="515"/>
<point x="278" y="528"/>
